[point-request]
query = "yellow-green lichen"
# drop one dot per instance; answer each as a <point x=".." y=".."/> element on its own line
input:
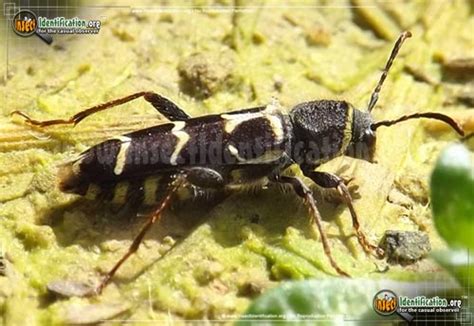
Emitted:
<point x="219" y="255"/>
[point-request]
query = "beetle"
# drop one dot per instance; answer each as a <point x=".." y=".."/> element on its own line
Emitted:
<point x="249" y="146"/>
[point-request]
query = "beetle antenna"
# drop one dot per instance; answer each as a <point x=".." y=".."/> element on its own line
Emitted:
<point x="375" y="94"/>
<point x="430" y="115"/>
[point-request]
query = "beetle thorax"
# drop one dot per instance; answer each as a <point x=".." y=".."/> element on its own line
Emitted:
<point x="322" y="130"/>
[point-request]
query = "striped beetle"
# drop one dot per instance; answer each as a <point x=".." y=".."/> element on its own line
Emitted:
<point x="223" y="150"/>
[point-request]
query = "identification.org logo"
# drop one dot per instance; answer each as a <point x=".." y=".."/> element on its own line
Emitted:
<point x="25" y="23"/>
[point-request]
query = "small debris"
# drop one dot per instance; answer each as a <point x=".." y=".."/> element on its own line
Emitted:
<point x="318" y="36"/>
<point x="30" y="71"/>
<point x="405" y="247"/>
<point x="202" y="75"/>
<point x="253" y="288"/>
<point x="258" y="38"/>
<point x="67" y="289"/>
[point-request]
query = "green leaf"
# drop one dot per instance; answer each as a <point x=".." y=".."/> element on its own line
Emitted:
<point x="324" y="302"/>
<point x="458" y="262"/>
<point x="334" y="301"/>
<point x="452" y="195"/>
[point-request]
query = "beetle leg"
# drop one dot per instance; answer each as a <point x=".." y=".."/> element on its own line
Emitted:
<point x="328" y="180"/>
<point x="155" y="216"/>
<point x="304" y="192"/>
<point x="204" y="177"/>
<point x="170" y="110"/>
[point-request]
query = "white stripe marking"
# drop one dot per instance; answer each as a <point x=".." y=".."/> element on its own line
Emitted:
<point x="277" y="127"/>
<point x="183" y="138"/>
<point x="273" y="112"/>
<point x="122" y="154"/>
<point x="234" y="151"/>
<point x="269" y="156"/>
<point x="233" y="120"/>
<point x="273" y="107"/>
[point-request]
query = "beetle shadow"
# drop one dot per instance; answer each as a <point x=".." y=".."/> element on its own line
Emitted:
<point x="230" y="215"/>
<point x="89" y="223"/>
<point x="95" y="226"/>
<point x="92" y="224"/>
<point x="267" y="213"/>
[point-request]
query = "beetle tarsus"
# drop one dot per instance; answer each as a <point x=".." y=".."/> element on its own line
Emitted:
<point x="328" y="180"/>
<point x="365" y="244"/>
<point x="38" y="123"/>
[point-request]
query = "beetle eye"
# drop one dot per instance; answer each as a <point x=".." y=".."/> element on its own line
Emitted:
<point x="369" y="137"/>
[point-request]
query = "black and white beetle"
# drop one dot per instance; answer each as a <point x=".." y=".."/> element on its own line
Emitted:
<point x="222" y="150"/>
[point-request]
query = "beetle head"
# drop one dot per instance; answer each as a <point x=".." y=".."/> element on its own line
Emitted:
<point x="362" y="144"/>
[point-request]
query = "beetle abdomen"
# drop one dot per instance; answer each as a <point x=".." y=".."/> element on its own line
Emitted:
<point x="227" y="140"/>
<point x="145" y="191"/>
